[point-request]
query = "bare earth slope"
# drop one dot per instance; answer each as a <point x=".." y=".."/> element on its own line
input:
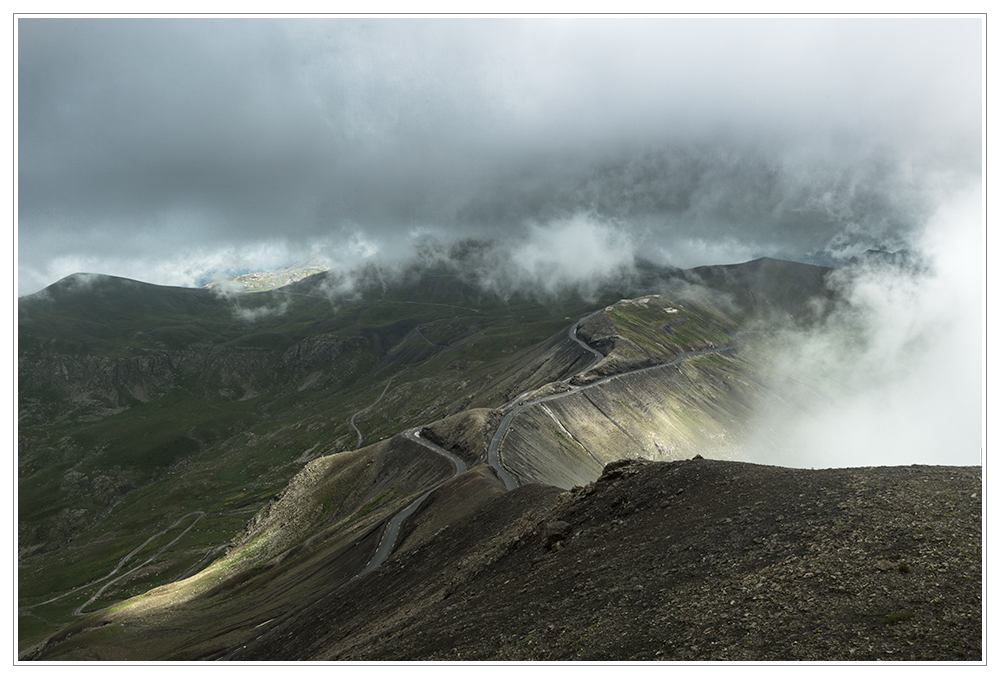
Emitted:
<point x="689" y="560"/>
<point x="685" y="560"/>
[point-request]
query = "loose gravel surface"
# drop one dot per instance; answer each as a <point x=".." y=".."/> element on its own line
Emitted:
<point x="689" y="560"/>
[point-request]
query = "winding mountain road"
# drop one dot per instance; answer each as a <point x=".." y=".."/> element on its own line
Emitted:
<point x="493" y="451"/>
<point x="388" y="540"/>
<point x="361" y="437"/>
<point x="598" y="356"/>
<point x="199" y="514"/>
<point x="390" y="533"/>
<point x="385" y="545"/>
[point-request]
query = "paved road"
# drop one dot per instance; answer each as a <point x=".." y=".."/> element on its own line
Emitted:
<point x="598" y="356"/>
<point x="414" y="435"/>
<point x="386" y="543"/>
<point x="388" y="540"/>
<point x="493" y="452"/>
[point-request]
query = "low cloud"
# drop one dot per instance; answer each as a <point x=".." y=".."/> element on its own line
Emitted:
<point x="176" y="150"/>
<point x="254" y="314"/>
<point x="895" y="374"/>
<point x="578" y="253"/>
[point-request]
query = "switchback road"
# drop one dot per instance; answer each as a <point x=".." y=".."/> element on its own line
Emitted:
<point x="493" y="452"/>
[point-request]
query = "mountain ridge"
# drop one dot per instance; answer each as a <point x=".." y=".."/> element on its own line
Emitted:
<point x="436" y="364"/>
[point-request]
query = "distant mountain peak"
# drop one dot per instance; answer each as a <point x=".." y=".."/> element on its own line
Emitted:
<point x="903" y="258"/>
<point x="259" y="281"/>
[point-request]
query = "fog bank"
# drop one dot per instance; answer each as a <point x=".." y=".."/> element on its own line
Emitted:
<point x="895" y="375"/>
<point x="175" y="150"/>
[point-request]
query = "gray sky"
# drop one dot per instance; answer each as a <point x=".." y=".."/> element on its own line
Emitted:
<point x="169" y="150"/>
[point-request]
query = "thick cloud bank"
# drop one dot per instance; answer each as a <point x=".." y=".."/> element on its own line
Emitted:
<point x="175" y="150"/>
<point x="895" y="375"/>
<point x="552" y="152"/>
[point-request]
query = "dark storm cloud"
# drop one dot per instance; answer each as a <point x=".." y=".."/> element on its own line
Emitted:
<point x="165" y="149"/>
<point x="127" y="119"/>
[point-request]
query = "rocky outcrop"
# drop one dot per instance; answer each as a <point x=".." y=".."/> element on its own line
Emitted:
<point x="691" y="560"/>
<point x="466" y="434"/>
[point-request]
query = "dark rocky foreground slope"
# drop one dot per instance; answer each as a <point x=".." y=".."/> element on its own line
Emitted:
<point x="686" y="560"/>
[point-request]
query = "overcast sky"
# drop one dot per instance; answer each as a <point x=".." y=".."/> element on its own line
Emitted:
<point x="173" y="150"/>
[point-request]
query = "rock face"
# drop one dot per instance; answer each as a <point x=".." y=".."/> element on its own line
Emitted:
<point x="554" y="532"/>
<point x="667" y="413"/>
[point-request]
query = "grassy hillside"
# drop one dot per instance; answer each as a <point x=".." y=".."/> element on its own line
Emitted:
<point x="139" y="404"/>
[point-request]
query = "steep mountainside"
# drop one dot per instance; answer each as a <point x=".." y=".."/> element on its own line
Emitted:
<point x="252" y="469"/>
